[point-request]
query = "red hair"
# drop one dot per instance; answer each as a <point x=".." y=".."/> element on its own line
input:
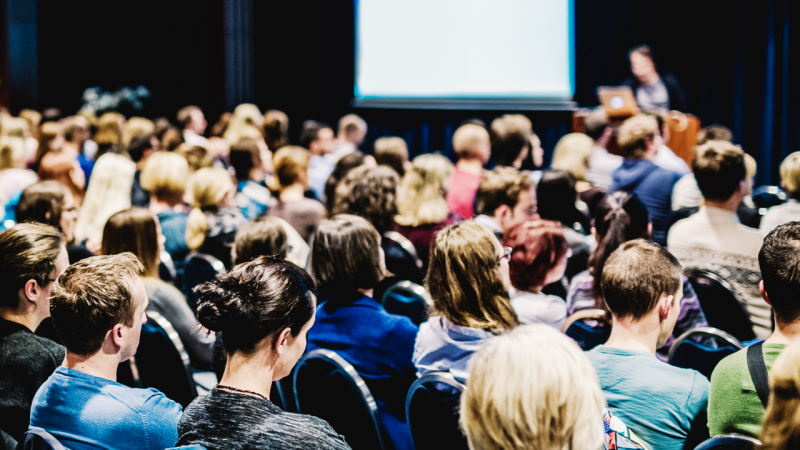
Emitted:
<point x="537" y="246"/>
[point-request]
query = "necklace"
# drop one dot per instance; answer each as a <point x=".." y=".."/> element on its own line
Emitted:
<point x="242" y="391"/>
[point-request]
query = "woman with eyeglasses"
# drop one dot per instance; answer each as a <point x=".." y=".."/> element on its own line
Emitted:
<point x="468" y="280"/>
<point x="538" y="253"/>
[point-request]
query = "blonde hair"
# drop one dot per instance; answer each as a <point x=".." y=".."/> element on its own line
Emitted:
<point x="165" y="174"/>
<point x="780" y="429"/>
<point x="13" y="126"/>
<point x="108" y="130"/>
<point x="532" y="388"/>
<point x="289" y="162"/>
<point x="352" y="128"/>
<point x="246" y="121"/>
<point x="572" y="154"/>
<point x="207" y="188"/>
<point x="635" y="133"/>
<point x="134" y="126"/>
<point x="12" y="153"/>
<point x="49" y="132"/>
<point x="469" y="140"/>
<point x="108" y="193"/>
<point x="790" y="174"/>
<point x="421" y="199"/>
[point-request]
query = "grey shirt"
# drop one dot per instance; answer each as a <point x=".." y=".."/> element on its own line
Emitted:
<point x="233" y="421"/>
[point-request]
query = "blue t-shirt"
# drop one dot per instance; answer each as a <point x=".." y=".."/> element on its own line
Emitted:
<point x="87" y="412"/>
<point x="662" y="404"/>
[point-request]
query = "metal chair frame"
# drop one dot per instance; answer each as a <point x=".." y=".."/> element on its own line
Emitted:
<point x="584" y="314"/>
<point x="728" y="439"/>
<point x="48" y="438"/>
<point x="216" y="264"/>
<point x="411" y="286"/>
<point x="403" y="242"/>
<point x="704" y="331"/>
<point x="445" y="378"/>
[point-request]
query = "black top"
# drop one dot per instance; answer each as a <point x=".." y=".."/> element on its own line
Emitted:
<point x="26" y="361"/>
<point x="229" y="420"/>
<point x="677" y="97"/>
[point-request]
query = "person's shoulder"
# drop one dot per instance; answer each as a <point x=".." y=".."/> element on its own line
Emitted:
<point x="313" y="432"/>
<point x="157" y="287"/>
<point x="729" y="369"/>
<point x="54" y="349"/>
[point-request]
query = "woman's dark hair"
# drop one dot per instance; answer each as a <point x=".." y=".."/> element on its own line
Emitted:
<point x="556" y="197"/>
<point x="256" y="300"/>
<point x="264" y="236"/>
<point x="620" y="217"/>
<point x="244" y="157"/>
<point x="371" y="193"/>
<point x="133" y="230"/>
<point x="343" y="166"/>
<point x="40" y="199"/>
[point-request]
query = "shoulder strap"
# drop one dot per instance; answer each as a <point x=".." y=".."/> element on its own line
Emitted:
<point x="758" y="372"/>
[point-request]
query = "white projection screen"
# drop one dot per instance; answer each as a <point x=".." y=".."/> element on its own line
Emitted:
<point x="469" y="51"/>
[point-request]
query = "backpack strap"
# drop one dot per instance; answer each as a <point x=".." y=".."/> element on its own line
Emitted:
<point x="758" y="372"/>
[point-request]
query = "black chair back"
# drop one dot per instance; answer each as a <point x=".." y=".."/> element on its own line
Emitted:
<point x="587" y="336"/>
<point x="432" y="412"/>
<point x="407" y="299"/>
<point x="765" y="197"/>
<point x="729" y="442"/>
<point x="166" y="268"/>
<point x="38" y="439"/>
<point x="702" y="349"/>
<point x="720" y="305"/>
<point x="327" y="386"/>
<point x="197" y="269"/>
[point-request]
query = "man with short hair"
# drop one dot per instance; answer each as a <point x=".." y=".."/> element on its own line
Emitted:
<point x="714" y="239"/>
<point x="510" y="137"/>
<point x="392" y="151"/>
<point x="734" y="405"/>
<point x="194" y="124"/>
<point x="98" y="308"/>
<point x="351" y="134"/>
<point x="602" y="164"/>
<point x="504" y="200"/>
<point x="32" y="256"/>
<point x="664" y="405"/>
<point x="318" y="139"/>
<point x="472" y="146"/>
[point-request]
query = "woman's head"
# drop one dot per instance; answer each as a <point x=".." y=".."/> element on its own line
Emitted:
<point x="539" y="254"/>
<point x="424" y="187"/>
<point x="165" y="175"/>
<point x="780" y="430"/>
<point x="246" y="121"/>
<point x="371" y="193"/>
<point x="346" y="257"/>
<point x="556" y="197"/>
<point x="109" y="129"/>
<point x="136" y="125"/>
<point x="134" y="230"/>
<point x="264" y="236"/>
<point x="572" y="154"/>
<point x="50" y="203"/>
<point x="197" y="157"/>
<point x="468" y="278"/>
<point x="341" y="169"/>
<point x="291" y="166"/>
<point x="532" y="388"/>
<point x="108" y="193"/>
<point x="208" y="189"/>
<point x="250" y="160"/>
<point x="264" y="306"/>
<point x="51" y="138"/>
<point x="276" y="129"/>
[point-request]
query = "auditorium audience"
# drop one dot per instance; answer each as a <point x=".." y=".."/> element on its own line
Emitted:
<point x="265" y="236"/>
<point x="781" y="422"/>
<point x="98" y="308"/>
<point x="504" y="199"/>
<point x="289" y="183"/>
<point x="251" y="161"/>
<point x="790" y="182"/>
<point x="136" y="230"/>
<point x="472" y="146"/>
<point x="351" y="134"/>
<point x="54" y="163"/>
<point x="264" y="310"/>
<point x="510" y="137"/>
<point x="347" y="264"/>
<point x="140" y="148"/>
<point x="108" y="136"/>
<point x="734" y="404"/>
<point x="393" y="152"/>
<point x="421" y="206"/>
<point x="532" y="388"/>
<point x="468" y="281"/>
<point x="538" y="257"/>
<point x="193" y="122"/>
<point x="665" y="157"/>
<point x="32" y="257"/>
<point x="652" y="90"/>
<point x="639" y="175"/>
<point x="573" y="154"/>
<point x="686" y="194"/>
<point x="318" y="139"/>
<point x="342" y="168"/>
<point x="602" y="164"/>
<point x="663" y="404"/>
<point x="714" y="239"/>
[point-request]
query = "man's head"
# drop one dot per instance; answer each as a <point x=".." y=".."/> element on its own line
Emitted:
<point x="471" y="141"/>
<point x="779" y="261"/>
<point x="719" y="169"/>
<point x="596" y="124"/>
<point x="191" y="118"/>
<point x="76" y="129"/>
<point x="510" y="137"/>
<point x="505" y="195"/>
<point x="317" y="137"/>
<point x="642" y="64"/>
<point x="393" y="152"/>
<point x="714" y="133"/>
<point x="32" y="256"/>
<point x="98" y="304"/>
<point x="636" y="137"/>
<point x="352" y="129"/>
<point x="141" y="146"/>
<point x="642" y="282"/>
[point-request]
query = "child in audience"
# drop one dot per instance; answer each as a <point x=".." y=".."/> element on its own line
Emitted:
<point x="98" y="307"/>
<point x="264" y="309"/>
<point x="781" y="424"/>
<point x="734" y="405"/>
<point x="790" y="181"/>
<point x="347" y="263"/>
<point x="289" y="184"/>
<point x="532" y="388"/>
<point x="471" y="144"/>
<point x="468" y="280"/>
<point x="664" y="405"/>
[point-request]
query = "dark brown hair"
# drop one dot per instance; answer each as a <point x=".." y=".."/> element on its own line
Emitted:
<point x="133" y="230"/>
<point x="393" y="152"/>
<point x="500" y="186"/>
<point x="28" y="251"/>
<point x="40" y="199"/>
<point x="276" y="129"/>
<point x="244" y="157"/>
<point x="371" y="193"/>
<point x="509" y="135"/>
<point x="343" y="166"/>
<point x="718" y="167"/>
<point x="779" y="260"/>
<point x="714" y="133"/>
<point x="264" y="236"/>
<point x="538" y="246"/>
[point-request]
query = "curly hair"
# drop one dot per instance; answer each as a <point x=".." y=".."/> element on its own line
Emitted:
<point x="371" y="193"/>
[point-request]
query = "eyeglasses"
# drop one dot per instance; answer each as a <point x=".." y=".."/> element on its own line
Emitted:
<point x="506" y="256"/>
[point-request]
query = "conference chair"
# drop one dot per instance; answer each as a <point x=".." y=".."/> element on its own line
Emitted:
<point x="588" y="336"/>
<point x="720" y="305"/>
<point x="199" y="268"/>
<point x="166" y="269"/>
<point x="405" y="244"/>
<point x="38" y="439"/>
<point x="702" y="356"/>
<point x="6" y="441"/>
<point x="408" y="299"/>
<point x="327" y="386"/>
<point x="432" y="412"/>
<point x="729" y="442"/>
<point x="765" y="197"/>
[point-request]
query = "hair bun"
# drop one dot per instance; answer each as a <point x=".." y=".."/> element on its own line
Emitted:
<point x="212" y="306"/>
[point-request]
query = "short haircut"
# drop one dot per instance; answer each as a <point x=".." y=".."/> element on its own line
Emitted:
<point x="310" y="133"/>
<point x="532" y="388"/>
<point x="351" y="124"/>
<point x="509" y="134"/>
<point x="635" y="277"/>
<point x="28" y="251"/>
<point x="244" y="156"/>
<point x="138" y="145"/>
<point x="779" y="261"/>
<point x="538" y="246"/>
<point x="371" y="193"/>
<point x="790" y="175"/>
<point x="469" y="139"/>
<point x="91" y="297"/>
<point x="714" y="133"/>
<point x="165" y="174"/>
<point x="595" y="124"/>
<point x="718" y="167"/>
<point x="184" y="115"/>
<point x="635" y="133"/>
<point x="264" y="236"/>
<point x="392" y="152"/>
<point x="42" y="202"/>
<point x="133" y="230"/>
<point x="499" y="187"/>
<point x="642" y="49"/>
<point x="345" y="257"/>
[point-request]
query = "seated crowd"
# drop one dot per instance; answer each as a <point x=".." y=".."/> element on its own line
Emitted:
<point x="103" y="218"/>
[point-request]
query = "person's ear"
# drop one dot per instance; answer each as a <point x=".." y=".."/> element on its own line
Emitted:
<point x="282" y="341"/>
<point x="503" y="212"/>
<point x="32" y="290"/>
<point x="666" y="306"/>
<point x="763" y="292"/>
<point x="117" y="335"/>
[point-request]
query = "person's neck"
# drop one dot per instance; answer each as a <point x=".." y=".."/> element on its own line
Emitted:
<point x="470" y="165"/>
<point x="26" y="319"/>
<point x="102" y="364"/>
<point x="249" y="373"/>
<point x="629" y="335"/>
<point x="292" y="193"/>
<point x="731" y="204"/>
<point x="784" y="333"/>
<point x="367" y="292"/>
<point x="161" y="205"/>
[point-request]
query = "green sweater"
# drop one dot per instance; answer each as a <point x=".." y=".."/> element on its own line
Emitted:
<point x="733" y="404"/>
